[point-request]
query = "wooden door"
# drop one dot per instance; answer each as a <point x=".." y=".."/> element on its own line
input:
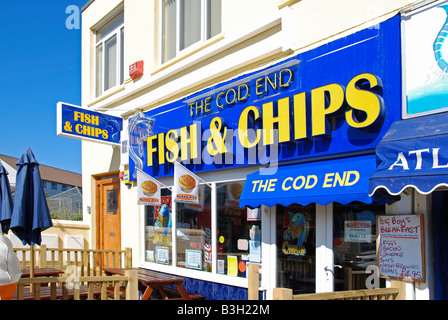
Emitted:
<point x="108" y="216"/>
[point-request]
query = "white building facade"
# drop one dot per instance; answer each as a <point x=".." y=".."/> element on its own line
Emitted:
<point x="326" y="77"/>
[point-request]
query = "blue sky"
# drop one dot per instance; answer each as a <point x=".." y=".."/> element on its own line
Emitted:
<point x="40" y="64"/>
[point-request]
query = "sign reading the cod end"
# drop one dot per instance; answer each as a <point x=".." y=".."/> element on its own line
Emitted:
<point x="76" y="122"/>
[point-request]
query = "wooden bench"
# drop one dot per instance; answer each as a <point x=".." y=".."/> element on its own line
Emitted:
<point x="90" y="288"/>
<point x="175" y="295"/>
<point x="59" y="293"/>
<point x="172" y="294"/>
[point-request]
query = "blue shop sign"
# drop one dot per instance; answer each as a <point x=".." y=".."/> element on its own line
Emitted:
<point x="338" y="98"/>
<point x="76" y="122"/>
<point x="339" y="180"/>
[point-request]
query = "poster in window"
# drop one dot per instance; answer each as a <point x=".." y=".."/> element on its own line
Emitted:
<point x="193" y="259"/>
<point x="296" y="224"/>
<point x="358" y="231"/>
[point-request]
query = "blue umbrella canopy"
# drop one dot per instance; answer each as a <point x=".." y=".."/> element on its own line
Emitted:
<point x="6" y="203"/>
<point x="30" y="215"/>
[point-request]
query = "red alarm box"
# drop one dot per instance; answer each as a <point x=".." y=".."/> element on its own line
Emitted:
<point x="136" y="70"/>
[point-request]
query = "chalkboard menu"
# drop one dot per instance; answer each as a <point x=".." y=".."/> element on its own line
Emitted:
<point x="400" y="247"/>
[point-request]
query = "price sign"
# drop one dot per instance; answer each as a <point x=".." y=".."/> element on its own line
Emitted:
<point x="400" y="247"/>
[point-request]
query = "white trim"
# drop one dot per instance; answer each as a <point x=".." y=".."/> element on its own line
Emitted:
<point x="409" y="186"/>
<point x="119" y="67"/>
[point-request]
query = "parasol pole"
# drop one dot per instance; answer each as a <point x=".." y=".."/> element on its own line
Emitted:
<point x="32" y="266"/>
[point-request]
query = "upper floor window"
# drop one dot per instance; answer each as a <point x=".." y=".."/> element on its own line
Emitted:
<point x="186" y="22"/>
<point x="109" y="41"/>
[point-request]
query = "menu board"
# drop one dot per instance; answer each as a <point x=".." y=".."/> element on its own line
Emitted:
<point x="400" y="247"/>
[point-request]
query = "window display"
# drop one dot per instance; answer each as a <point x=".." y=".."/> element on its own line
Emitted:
<point x="158" y="233"/>
<point x="193" y="232"/>
<point x="239" y="232"/>
<point x="296" y="248"/>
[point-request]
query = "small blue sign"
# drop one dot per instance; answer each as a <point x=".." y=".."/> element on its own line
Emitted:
<point x="79" y="123"/>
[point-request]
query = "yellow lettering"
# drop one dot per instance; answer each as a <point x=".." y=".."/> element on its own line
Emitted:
<point x="189" y="139"/>
<point x="269" y="81"/>
<point x="310" y="185"/>
<point x="78" y="116"/>
<point x="240" y="87"/>
<point x="161" y="147"/>
<point x="321" y="107"/>
<point x="259" y="85"/>
<point x="356" y="175"/>
<point x="233" y="95"/>
<point x="150" y="149"/>
<point x="95" y="120"/>
<point x="284" y="187"/>
<point x="255" y="182"/>
<point x="207" y="105"/>
<point x="218" y="97"/>
<point x="271" y="186"/>
<point x="263" y="185"/>
<point x="371" y="104"/>
<point x="338" y="179"/>
<point x="294" y="185"/>
<point x="243" y="127"/>
<point x="282" y="122"/>
<point x="287" y="83"/>
<point x="171" y="145"/>
<point x="327" y="180"/>
<point x="199" y="108"/>
<point x="300" y="126"/>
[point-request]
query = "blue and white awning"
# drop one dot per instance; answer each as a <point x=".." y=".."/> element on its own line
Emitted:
<point x="412" y="154"/>
<point x="339" y="180"/>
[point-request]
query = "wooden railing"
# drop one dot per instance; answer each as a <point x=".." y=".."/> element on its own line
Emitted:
<point x="368" y="294"/>
<point x="287" y="294"/>
<point x="65" y="288"/>
<point x="90" y="261"/>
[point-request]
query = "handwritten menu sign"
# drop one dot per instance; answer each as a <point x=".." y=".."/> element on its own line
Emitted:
<point x="400" y="247"/>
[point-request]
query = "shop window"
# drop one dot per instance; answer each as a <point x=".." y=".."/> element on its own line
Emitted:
<point x="238" y="233"/>
<point x="158" y="237"/>
<point x="296" y="248"/>
<point x="187" y="22"/>
<point x="109" y="54"/>
<point x="354" y="233"/>
<point x="193" y="232"/>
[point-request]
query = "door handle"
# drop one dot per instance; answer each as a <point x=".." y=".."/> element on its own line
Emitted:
<point x="327" y="269"/>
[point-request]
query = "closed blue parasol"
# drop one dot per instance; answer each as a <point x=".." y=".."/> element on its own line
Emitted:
<point x="6" y="203"/>
<point x="30" y="214"/>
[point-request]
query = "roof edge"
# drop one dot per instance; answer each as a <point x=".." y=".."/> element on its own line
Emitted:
<point x="86" y="5"/>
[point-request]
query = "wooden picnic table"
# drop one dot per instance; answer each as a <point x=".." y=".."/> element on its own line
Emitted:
<point x="42" y="272"/>
<point x="153" y="280"/>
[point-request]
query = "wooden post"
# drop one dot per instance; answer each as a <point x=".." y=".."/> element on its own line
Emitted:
<point x="282" y="294"/>
<point x="43" y="256"/>
<point x="401" y="286"/>
<point x="132" y="287"/>
<point x="128" y="258"/>
<point x="253" y="282"/>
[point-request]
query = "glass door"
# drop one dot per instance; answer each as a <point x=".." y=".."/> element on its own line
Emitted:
<point x="296" y="248"/>
<point x="354" y="245"/>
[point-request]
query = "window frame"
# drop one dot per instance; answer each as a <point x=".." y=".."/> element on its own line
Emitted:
<point x="118" y="32"/>
<point x="205" y="32"/>
<point x="174" y="268"/>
